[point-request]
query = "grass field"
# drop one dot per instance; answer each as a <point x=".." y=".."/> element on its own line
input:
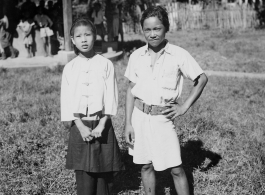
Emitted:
<point x="222" y="136"/>
<point x="223" y="50"/>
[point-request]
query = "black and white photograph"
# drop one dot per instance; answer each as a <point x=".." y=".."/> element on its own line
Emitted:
<point x="132" y="97"/>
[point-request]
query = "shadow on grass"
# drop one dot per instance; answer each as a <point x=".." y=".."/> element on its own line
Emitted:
<point x="193" y="157"/>
<point x="130" y="178"/>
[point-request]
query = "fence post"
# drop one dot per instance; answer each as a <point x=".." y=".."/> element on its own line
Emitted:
<point x="67" y="18"/>
<point x="244" y="16"/>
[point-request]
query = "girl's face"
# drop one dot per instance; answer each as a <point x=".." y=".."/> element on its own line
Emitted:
<point x="154" y="31"/>
<point x="83" y="39"/>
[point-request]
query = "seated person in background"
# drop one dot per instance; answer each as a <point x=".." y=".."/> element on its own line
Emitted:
<point x="5" y="38"/>
<point x="44" y="22"/>
<point x="27" y="27"/>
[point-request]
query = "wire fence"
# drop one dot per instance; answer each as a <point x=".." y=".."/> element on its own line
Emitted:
<point x="186" y="16"/>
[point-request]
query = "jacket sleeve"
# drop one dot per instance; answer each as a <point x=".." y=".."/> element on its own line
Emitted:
<point x="111" y="91"/>
<point x="66" y="112"/>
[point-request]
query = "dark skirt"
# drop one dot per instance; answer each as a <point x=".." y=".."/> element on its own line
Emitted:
<point x="99" y="155"/>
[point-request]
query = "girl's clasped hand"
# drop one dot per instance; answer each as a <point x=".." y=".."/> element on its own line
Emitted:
<point x="87" y="133"/>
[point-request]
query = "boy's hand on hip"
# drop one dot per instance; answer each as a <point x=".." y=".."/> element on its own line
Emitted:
<point x="129" y="134"/>
<point x="174" y="111"/>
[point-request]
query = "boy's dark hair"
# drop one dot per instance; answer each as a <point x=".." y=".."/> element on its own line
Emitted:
<point x="156" y="11"/>
<point x="83" y="21"/>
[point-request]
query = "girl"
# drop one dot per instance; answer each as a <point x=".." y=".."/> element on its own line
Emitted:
<point x="89" y="96"/>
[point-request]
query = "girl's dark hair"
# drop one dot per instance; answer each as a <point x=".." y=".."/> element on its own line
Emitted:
<point x="156" y="11"/>
<point x="83" y="22"/>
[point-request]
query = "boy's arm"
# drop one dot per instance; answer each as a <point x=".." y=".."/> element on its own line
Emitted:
<point x="178" y="110"/>
<point x="129" y="131"/>
<point x="49" y="21"/>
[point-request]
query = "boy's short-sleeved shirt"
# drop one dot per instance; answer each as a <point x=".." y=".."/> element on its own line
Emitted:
<point x="43" y="20"/>
<point x="162" y="83"/>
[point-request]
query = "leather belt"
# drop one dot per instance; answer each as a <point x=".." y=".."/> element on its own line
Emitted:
<point x="149" y="109"/>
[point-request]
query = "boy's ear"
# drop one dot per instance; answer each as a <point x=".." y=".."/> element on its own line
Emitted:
<point x="73" y="41"/>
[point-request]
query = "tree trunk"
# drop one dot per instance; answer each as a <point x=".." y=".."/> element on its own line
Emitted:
<point x="109" y="17"/>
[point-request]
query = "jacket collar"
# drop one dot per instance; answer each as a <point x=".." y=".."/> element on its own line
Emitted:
<point x="167" y="49"/>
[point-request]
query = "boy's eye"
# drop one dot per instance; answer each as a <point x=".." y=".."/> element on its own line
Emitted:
<point x="147" y="30"/>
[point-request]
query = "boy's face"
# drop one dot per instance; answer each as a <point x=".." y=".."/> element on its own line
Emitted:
<point x="83" y="38"/>
<point x="154" y="31"/>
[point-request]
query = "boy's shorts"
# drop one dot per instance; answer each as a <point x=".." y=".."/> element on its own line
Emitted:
<point x="156" y="141"/>
<point x="46" y="32"/>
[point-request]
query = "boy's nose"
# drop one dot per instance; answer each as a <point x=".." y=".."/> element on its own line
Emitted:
<point x="153" y="34"/>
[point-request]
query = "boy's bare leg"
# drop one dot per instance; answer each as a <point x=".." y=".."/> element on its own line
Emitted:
<point x="180" y="180"/>
<point x="44" y="46"/>
<point x="49" y="46"/>
<point x="148" y="178"/>
<point x="28" y="50"/>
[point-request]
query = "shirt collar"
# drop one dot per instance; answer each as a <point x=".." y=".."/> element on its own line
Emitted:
<point x="166" y="49"/>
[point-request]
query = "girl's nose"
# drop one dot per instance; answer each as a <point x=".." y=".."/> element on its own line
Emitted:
<point x="83" y="39"/>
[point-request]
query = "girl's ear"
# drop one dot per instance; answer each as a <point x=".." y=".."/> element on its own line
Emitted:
<point x="73" y="41"/>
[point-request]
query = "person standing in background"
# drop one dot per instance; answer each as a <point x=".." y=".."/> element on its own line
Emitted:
<point x="28" y="9"/>
<point x="45" y="23"/>
<point x="26" y="26"/>
<point x="58" y="23"/>
<point x="115" y="22"/>
<point x="12" y="14"/>
<point x="98" y="18"/>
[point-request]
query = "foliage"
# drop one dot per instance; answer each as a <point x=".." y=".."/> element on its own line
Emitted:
<point x="261" y="16"/>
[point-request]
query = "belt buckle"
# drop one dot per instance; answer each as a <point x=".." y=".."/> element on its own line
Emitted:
<point x="147" y="109"/>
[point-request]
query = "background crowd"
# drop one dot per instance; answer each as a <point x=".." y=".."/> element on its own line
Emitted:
<point x="47" y="18"/>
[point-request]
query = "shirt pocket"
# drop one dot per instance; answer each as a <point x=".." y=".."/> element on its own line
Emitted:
<point x="142" y="67"/>
<point x="169" y="77"/>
